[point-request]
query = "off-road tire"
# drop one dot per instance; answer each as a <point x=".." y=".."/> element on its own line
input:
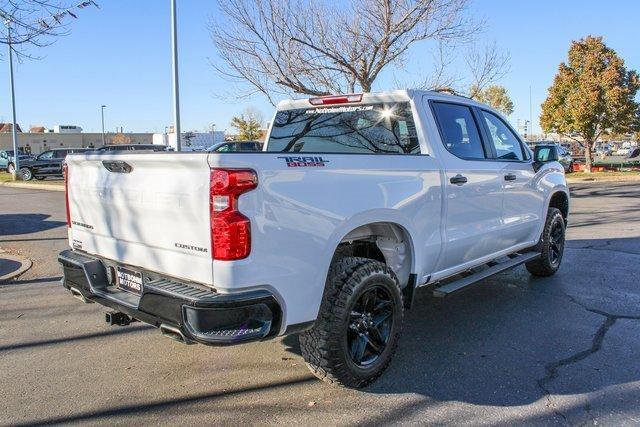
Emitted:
<point x="545" y="265"/>
<point x="324" y="347"/>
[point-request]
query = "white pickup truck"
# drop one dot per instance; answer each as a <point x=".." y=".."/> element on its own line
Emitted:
<point x="354" y="203"/>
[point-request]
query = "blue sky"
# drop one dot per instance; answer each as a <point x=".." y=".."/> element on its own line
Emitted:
<point x="120" y="56"/>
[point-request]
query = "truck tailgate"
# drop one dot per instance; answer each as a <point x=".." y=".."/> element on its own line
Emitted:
<point x="149" y="210"/>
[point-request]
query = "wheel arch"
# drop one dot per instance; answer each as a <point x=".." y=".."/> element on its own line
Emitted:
<point x="559" y="199"/>
<point x="385" y="241"/>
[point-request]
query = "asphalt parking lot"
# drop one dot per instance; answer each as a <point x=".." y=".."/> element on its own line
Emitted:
<point x="562" y="350"/>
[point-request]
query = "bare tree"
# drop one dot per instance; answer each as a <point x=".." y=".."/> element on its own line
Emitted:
<point x="486" y="67"/>
<point x="480" y="69"/>
<point x="36" y="23"/>
<point x="442" y="76"/>
<point x="318" y="47"/>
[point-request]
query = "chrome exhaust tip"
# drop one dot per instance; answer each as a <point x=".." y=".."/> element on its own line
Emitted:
<point x="174" y="333"/>
<point x="78" y="295"/>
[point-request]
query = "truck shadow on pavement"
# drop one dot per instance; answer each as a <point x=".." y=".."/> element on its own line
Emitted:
<point x="26" y="223"/>
<point x="75" y="338"/>
<point x="514" y="339"/>
<point x="18" y="282"/>
<point x="160" y="406"/>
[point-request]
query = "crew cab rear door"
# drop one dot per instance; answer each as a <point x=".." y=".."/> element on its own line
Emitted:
<point x="473" y="188"/>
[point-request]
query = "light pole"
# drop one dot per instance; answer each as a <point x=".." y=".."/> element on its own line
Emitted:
<point x="102" y="114"/>
<point x="530" y="115"/>
<point x="14" y="132"/>
<point x="176" y="95"/>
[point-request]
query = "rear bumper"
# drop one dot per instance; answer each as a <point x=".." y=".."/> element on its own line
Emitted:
<point x="196" y="313"/>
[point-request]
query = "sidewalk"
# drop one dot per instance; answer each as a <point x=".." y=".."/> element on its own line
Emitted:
<point x="46" y="185"/>
<point x="576" y="177"/>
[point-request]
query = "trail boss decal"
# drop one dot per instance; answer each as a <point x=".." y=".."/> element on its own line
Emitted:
<point x="304" y="162"/>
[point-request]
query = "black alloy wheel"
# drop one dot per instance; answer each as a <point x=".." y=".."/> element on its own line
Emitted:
<point x="359" y="322"/>
<point x="556" y="243"/>
<point x="550" y="246"/>
<point x="370" y="324"/>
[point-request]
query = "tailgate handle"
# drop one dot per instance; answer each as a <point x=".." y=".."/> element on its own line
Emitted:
<point x="117" y="166"/>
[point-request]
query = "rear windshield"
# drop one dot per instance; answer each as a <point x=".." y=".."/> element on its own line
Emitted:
<point x="369" y="129"/>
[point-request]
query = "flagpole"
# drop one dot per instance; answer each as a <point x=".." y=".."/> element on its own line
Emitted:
<point x="176" y="94"/>
<point x="14" y="132"/>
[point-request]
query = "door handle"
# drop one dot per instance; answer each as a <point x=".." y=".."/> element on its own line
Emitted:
<point x="458" y="180"/>
<point x="510" y="177"/>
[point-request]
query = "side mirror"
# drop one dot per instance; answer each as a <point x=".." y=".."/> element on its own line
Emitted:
<point x="544" y="154"/>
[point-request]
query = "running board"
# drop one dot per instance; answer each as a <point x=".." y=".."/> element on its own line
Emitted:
<point x="494" y="268"/>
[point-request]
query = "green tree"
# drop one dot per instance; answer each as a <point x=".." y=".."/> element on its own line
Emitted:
<point x="592" y="95"/>
<point x="248" y="124"/>
<point x="495" y="96"/>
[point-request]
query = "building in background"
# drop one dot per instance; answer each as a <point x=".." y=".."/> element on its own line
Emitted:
<point x="41" y="139"/>
<point x="8" y="128"/>
<point x="67" y="129"/>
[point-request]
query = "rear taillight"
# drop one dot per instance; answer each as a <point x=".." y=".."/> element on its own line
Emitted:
<point x="230" y="230"/>
<point x="65" y="173"/>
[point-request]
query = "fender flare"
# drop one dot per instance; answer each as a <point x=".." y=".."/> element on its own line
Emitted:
<point x="390" y="216"/>
<point x="555" y="190"/>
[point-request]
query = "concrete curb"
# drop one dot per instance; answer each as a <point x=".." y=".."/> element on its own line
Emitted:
<point x="602" y="179"/>
<point x="48" y="187"/>
<point x="25" y="264"/>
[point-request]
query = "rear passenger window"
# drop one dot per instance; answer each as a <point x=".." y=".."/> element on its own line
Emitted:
<point x="505" y="142"/>
<point x="458" y="130"/>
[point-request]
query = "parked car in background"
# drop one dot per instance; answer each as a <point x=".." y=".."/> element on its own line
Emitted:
<point x="47" y="164"/>
<point x="132" y="147"/>
<point x="634" y="153"/>
<point x="7" y="161"/>
<point x="603" y="151"/>
<point x="565" y="159"/>
<point x="234" y="146"/>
